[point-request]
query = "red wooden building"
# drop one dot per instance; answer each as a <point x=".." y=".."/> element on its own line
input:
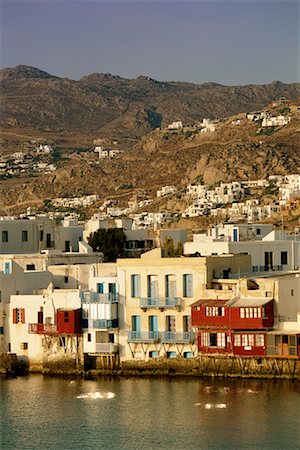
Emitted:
<point x="67" y="321"/>
<point x="236" y="327"/>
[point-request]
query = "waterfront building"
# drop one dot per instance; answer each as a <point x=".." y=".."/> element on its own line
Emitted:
<point x="158" y="294"/>
<point x="45" y="328"/>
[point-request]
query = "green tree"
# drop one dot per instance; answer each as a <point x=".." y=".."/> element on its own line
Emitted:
<point x="110" y="242"/>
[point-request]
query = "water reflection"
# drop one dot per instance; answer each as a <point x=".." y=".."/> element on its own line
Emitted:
<point x="129" y="414"/>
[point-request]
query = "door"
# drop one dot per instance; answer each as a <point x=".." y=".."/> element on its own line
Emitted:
<point x="67" y="246"/>
<point x="48" y="240"/>
<point x="112" y="289"/>
<point x="136" y="326"/>
<point x="152" y="289"/>
<point x="170" y="287"/>
<point x="235" y="234"/>
<point x="153" y="327"/>
<point x="100" y="288"/>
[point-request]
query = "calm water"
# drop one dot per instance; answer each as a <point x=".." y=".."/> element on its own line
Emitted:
<point x="52" y="413"/>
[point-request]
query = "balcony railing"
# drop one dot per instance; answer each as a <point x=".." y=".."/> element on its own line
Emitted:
<point x="101" y="324"/>
<point x="160" y="303"/>
<point x="42" y="328"/>
<point x="266" y="268"/>
<point x="145" y="336"/>
<point x="179" y="338"/>
<point x="107" y="348"/>
<point x="95" y="297"/>
<point x="163" y="337"/>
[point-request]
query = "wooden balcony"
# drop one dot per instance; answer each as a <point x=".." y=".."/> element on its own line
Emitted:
<point x="42" y="328"/>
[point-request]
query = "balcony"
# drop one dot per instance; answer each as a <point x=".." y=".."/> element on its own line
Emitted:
<point x="171" y="337"/>
<point x="107" y="348"/>
<point x="100" y="324"/>
<point x="95" y="297"/>
<point x="160" y="303"/>
<point x="266" y="268"/>
<point x="42" y="328"/>
<point x="145" y="336"/>
<point x="165" y="337"/>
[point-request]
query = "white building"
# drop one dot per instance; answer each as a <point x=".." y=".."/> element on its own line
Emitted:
<point x="166" y="190"/>
<point x="175" y="125"/>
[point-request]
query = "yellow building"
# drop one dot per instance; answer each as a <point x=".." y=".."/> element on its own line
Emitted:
<point x="158" y="293"/>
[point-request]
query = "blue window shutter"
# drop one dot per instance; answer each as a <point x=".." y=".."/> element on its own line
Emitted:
<point x="100" y="288"/>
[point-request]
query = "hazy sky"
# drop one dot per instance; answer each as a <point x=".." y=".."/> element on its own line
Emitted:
<point x="230" y="42"/>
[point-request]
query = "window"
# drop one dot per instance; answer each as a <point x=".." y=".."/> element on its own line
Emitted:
<point x="24" y="236"/>
<point x="284" y="258"/>
<point x="237" y="340"/>
<point x="242" y="313"/>
<point x="152" y="286"/>
<point x="89" y="337"/>
<point x="66" y="317"/>
<point x="258" y="231"/>
<point x="1" y="330"/>
<point x="135" y="286"/>
<point x="41" y="235"/>
<point x="18" y="315"/>
<point x="221" y="342"/>
<point x="136" y="323"/>
<point x="171" y="323"/>
<point x="259" y="340"/>
<point x="7" y="267"/>
<point x="247" y="340"/>
<point x="187" y="355"/>
<point x="186" y="324"/>
<point x="171" y="354"/>
<point x="30" y="266"/>
<point x="292" y="292"/>
<point x="170" y="286"/>
<point x="24" y="345"/>
<point x="214" y="311"/>
<point x="100" y="288"/>
<point x="66" y="280"/>
<point x="217" y="339"/>
<point x="153" y="354"/>
<point x="205" y="339"/>
<point x="187" y="285"/>
<point x="153" y="323"/>
<point x="4" y="236"/>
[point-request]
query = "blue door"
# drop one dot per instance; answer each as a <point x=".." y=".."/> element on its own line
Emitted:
<point x="235" y="234"/>
<point x="136" y="326"/>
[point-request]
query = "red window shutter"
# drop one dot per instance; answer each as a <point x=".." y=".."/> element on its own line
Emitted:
<point x="15" y="315"/>
<point x="22" y="315"/>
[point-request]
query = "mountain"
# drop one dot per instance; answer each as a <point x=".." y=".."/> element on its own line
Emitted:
<point x="106" y="105"/>
<point x="70" y="114"/>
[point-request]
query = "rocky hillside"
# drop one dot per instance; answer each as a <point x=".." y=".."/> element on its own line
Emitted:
<point x="100" y="105"/>
<point x="232" y="152"/>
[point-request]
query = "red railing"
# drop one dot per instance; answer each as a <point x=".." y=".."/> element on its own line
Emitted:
<point x="42" y="328"/>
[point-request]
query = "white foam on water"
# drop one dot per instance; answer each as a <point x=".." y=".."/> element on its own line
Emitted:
<point x="197" y="404"/>
<point x="221" y="406"/>
<point x="97" y="395"/>
<point x="208" y="405"/>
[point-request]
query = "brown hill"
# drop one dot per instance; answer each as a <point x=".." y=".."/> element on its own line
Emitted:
<point x="71" y="114"/>
<point x="106" y="105"/>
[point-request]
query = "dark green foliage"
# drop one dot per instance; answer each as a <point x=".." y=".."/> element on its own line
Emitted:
<point x="188" y="134"/>
<point x="110" y="242"/>
<point x="169" y="249"/>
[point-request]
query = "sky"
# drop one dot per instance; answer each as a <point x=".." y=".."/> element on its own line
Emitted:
<point x="227" y="42"/>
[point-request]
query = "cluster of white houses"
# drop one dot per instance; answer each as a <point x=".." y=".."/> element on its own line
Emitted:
<point x="235" y="290"/>
<point x="212" y="201"/>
